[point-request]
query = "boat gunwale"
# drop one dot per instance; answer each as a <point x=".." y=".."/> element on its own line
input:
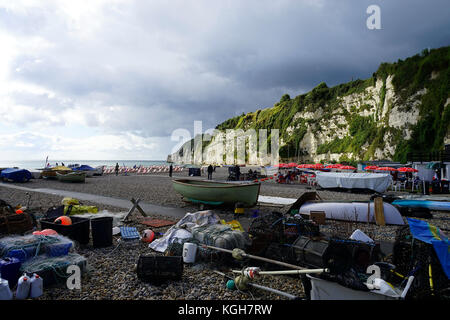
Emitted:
<point x="225" y="185"/>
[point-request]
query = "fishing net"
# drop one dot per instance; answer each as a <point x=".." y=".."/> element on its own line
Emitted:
<point x="414" y="257"/>
<point x="53" y="270"/>
<point x="222" y="236"/>
<point x="26" y="247"/>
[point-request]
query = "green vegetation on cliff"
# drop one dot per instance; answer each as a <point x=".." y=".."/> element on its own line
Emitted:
<point x="365" y="134"/>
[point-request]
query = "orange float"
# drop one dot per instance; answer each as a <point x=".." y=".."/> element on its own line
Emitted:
<point x="64" y="220"/>
<point x="148" y="235"/>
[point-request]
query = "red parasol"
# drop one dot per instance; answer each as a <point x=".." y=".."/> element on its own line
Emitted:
<point x="347" y="168"/>
<point x="407" y="169"/>
<point x="386" y="169"/>
<point x="333" y="166"/>
<point x="371" y="168"/>
<point x="292" y="165"/>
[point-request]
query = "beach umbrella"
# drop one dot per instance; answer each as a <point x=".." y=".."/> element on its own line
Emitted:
<point x="318" y="166"/>
<point x="371" y="168"/>
<point x="333" y="166"/>
<point x="292" y="165"/>
<point x="300" y="166"/>
<point x="407" y="169"/>
<point x="386" y="169"/>
<point x="347" y="168"/>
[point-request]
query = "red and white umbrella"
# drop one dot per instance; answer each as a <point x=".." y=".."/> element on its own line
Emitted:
<point x="317" y="166"/>
<point x="407" y="169"/>
<point x="371" y="168"/>
<point x="292" y="165"/>
<point x="347" y="168"/>
<point x="333" y="166"/>
<point x="386" y="169"/>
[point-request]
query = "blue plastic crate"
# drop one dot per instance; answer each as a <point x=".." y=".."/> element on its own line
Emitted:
<point x="129" y="233"/>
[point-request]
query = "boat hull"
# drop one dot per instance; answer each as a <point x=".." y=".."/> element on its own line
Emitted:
<point x="218" y="192"/>
<point x="72" y="177"/>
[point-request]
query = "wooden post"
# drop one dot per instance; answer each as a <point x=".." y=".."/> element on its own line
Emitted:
<point x="135" y="206"/>
<point x="379" y="211"/>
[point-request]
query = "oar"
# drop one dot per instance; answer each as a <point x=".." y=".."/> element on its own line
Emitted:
<point x="256" y="271"/>
<point x="238" y="254"/>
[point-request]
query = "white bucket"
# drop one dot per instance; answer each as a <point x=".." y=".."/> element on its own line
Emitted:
<point x="5" y="292"/>
<point x="189" y="252"/>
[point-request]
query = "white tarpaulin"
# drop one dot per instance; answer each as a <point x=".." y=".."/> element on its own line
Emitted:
<point x="374" y="181"/>
<point x="183" y="228"/>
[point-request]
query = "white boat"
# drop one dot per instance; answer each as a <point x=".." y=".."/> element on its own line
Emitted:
<point x="353" y="211"/>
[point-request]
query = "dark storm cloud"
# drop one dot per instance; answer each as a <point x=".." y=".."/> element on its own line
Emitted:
<point x="169" y="64"/>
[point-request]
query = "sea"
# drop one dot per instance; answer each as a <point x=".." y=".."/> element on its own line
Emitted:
<point x="32" y="165"/>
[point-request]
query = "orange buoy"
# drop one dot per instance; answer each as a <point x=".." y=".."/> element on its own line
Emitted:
<point x="64" y="220"/>
<point x="46" y="232"/>
<point x="148" y="235"/>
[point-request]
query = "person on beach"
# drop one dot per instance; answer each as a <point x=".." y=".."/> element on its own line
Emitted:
<point x="117" y="168"/>
<point x="210" y="171"/>
<point x="170" y="170"/>
<point x="237" y="170"/>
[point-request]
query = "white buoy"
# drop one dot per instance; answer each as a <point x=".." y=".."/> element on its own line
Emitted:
<point x="23" y="287"/>
<point x="5" y="291"/>
<point x="189" y="252"/>
<point x="36" y="286"/>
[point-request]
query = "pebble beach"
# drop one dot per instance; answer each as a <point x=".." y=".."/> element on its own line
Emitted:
<point x="111" y="271"/>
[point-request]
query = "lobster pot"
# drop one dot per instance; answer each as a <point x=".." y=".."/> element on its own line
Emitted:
<point x="15" y="223"/>
<point x="336" y="255"/>
<point x="157" y="269"/>
<point x="219" y="235"/>
<point x="321" y="254"/>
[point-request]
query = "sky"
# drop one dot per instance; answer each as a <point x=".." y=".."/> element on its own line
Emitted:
<point x="114" y="79"/>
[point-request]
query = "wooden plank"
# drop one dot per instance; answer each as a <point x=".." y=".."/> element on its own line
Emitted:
<point x="135" y="205"/>
<point x="379" y="212"/>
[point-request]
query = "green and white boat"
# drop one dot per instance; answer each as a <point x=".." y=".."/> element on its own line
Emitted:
<point x="71" y="176"/>
<point x="213" y="192"/>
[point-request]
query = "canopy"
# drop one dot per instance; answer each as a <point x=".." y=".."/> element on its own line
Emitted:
<point x="16" y="175"/>
<point x="373" y="181"/>
<point x="83" y="167"/>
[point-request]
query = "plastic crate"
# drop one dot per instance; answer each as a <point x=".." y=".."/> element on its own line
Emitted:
<point x="157" y="269"/>
<point x="77" y="231"/>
